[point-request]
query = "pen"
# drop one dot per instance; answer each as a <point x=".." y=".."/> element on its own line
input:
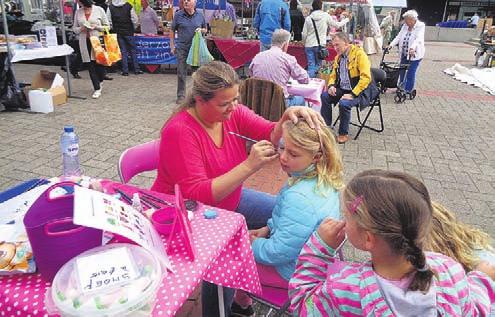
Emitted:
<point x="243" y="137"/>
<point x="149" y="202"/>
<point x="124" y="195"/>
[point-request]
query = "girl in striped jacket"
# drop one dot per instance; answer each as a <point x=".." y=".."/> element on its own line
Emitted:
<point x="387" y="214"/>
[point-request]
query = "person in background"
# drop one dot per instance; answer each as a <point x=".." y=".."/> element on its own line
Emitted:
<point x="464" y="243"/>
<point x="277" y="66"/>
<point x="270" y="15"/>
<point x="389" y="215"/>
<point x="314" y="164"/>
<point x="123" y="20"/>
<point x="350" y="77"/>
<point x="473" y="22"/>
<point x="90" y="20"/>
<point x="103" y="4"/>
<point x="386" y="27"/>
<point x="210" y="164"/>
<point x="230" y="12"/>
<point x="296" y="20"/>
<point x="323" y="23"/>
<point x="148" y="19"/>
<point x="411" y="41"/>
<point x="185" y="23"/>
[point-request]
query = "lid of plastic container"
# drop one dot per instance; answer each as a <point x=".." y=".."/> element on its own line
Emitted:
<point x="68" y="128"/>
<point x="112" y="280"/>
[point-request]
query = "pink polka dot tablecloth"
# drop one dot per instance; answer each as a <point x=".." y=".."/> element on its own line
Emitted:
<point x="223" y="256"/>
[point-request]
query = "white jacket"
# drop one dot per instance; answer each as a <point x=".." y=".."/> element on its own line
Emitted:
<point x="416" y="41"/>
<point x="323" y="22"/>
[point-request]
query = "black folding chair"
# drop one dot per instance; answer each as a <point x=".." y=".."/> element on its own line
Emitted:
<point x="379" y="76"/>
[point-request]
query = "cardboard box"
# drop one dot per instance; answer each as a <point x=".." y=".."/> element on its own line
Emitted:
<point x="222" y="28"/>
<point x="52" y="83"/>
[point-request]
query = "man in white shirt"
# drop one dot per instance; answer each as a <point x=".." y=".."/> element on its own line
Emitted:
<point x="474" y="20"/>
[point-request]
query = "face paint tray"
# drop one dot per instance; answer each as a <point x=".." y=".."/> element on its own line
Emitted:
<point x="117" y="279"/>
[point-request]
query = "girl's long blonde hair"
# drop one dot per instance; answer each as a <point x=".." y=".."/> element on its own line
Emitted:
<point x="455" y="239"/>
<point x="329" y="168"/>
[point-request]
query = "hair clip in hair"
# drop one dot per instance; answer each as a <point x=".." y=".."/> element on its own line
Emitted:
<point x="423" y="269"/>
<point x="356" y="203"/>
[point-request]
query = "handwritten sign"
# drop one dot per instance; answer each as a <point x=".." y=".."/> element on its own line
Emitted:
<point x="154" y="50"/>
<point x="105" y="269"/>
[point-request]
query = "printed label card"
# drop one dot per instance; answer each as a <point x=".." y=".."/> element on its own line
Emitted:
<point x="105" y="269"/>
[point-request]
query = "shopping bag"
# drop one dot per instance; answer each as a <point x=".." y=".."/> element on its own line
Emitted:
<point x="112" y="47"/>
<point x="101" y="56"/>
<point x="198" y="53"/>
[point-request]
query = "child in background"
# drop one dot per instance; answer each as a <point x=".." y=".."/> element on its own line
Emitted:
<point x="314" y="164"/>
<point x="387" y="214"/>
<point x="467" y="245"/>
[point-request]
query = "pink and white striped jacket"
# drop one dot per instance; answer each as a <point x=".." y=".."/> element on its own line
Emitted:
<point x="354" y="291"/>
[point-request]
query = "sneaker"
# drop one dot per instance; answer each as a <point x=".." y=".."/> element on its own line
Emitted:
<point x="179" y="100"/>
<point x="76" y="76"/>
<point x="107" y="78"/>
<point x="139" y="72"/>
<point x="125" y="74"/>
<point x="238" y="311"/>
<point x="97" y="94"/>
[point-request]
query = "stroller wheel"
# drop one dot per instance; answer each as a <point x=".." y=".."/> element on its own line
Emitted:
<point x="404" y="97"/>
<point x="398" y="98"/>
<point x="384" y="90"/>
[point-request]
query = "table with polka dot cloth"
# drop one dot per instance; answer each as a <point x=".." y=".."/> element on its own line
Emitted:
<point x="223" y="256"/>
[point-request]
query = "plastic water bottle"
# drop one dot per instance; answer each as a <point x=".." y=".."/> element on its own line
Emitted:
<point x="69" y="144"/>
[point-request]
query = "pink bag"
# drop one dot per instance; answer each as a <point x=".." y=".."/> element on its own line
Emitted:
<point x="54" y="238"/>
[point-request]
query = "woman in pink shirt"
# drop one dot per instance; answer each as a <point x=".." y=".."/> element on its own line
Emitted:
<point x="210" y="164"/>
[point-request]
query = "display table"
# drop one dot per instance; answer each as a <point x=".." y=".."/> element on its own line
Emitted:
<point x="239" y="52"/>
<point x="310" y="91"/>
<point x="223" y="257"/>
<point x="45" y="52"/>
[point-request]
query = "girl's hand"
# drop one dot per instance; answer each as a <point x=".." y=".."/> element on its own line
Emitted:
<point x="332" y="232"/>
<point x="486" y="268"/>
<point x="261" y="153"/>
<point x="259" y="233"/>
<point x="313" y="118"/>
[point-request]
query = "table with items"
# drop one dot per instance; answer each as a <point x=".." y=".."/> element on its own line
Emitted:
<point x="222" y="256"/>
<point x="237" y="52"/>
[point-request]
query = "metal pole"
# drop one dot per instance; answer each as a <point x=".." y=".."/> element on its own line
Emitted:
<point x="64" y="41"/>
<point x="6" y="32"/>
<point x="445" y="10"/>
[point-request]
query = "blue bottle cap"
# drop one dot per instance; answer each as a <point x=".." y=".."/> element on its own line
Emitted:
<point x="210" y="214"/>
<point x="68" y="128"/>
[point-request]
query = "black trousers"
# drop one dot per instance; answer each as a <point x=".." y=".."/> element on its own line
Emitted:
<point x="96" y="71"/>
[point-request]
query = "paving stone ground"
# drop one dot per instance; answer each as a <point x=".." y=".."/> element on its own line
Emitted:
<point x="445" y="137"/>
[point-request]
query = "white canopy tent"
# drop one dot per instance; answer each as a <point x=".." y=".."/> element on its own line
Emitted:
<point x="390" y="3"/>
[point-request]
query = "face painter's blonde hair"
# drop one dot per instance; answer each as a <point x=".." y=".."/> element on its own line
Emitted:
<point x="455" y="239"/>
<point x="329" y="168"/>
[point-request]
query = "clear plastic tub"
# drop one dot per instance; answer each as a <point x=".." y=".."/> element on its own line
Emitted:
<point x="80" y="288"/>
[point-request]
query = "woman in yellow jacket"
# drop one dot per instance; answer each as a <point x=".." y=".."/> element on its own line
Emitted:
<point x="350" y="77"/>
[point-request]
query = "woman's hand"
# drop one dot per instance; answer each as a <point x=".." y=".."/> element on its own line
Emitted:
<point x="332" y="232"/>
<point x="486" y="268"/>
<point x="312" y="117"/>
<point x="259" y="233"/>
<point x="261" y="153"/>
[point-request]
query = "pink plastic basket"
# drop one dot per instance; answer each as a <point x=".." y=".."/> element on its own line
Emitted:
<point x="54" y="238"/>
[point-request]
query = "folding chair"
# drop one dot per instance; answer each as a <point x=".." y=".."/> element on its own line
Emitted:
<point x="264" y="97"/>
<point x="379" y="76"/>
<point x="137" y="159"/>
<point x="278" y="298"/>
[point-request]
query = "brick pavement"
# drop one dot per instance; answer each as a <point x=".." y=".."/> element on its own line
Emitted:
<point x="446" y="136"/>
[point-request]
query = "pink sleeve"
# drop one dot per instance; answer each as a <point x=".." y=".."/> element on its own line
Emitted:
<point x="184" y="162"/>
<point x="252" y="125"/>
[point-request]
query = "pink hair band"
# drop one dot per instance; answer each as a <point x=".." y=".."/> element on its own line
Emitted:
<point x="356" y="203"/>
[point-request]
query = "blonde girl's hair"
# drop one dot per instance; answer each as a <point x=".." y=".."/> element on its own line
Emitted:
<point x="455" y="239"/>
<point x="206" y="81"/>
<point x="329" y="168"/>
<point x="396" y="207"/>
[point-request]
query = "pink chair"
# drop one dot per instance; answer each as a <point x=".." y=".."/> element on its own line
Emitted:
<point x="278" y="298"/>
<point x="137" y="159"/>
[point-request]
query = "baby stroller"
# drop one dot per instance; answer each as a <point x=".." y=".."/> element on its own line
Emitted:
<point x="393" y="69"/>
